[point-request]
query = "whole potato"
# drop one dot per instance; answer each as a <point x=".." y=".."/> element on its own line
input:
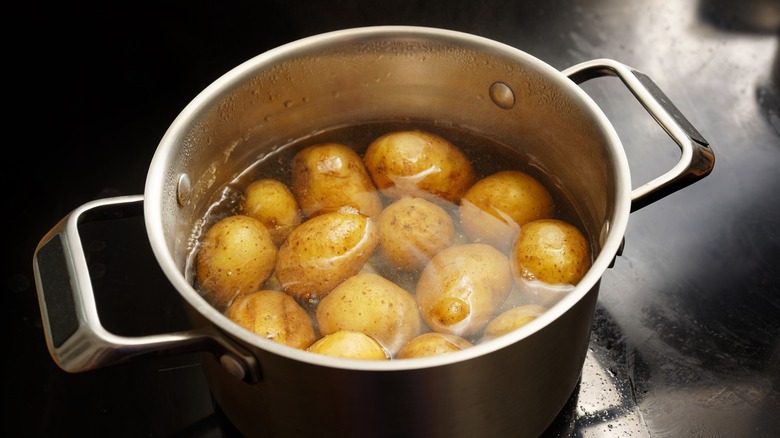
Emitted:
<point x="418" y="163"/>
<point x="371" y="304"/>
<point x="349" y="345"/>
<point x="324" y="251"/>
<point x="412" y="230"/>
<point x="273" y="315"/>
<point x="551" y="251"/>
<point x="495" y="207"/>
<point x="236" y="257"/>
<point x="432" y="344"/>
<point x="512" y="319"/>
<point x="271" y="202"/>
<point x="462" y="287"/>
<point x="330" y="177"/>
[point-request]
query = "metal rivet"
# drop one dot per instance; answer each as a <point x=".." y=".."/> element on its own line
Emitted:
<point x="604" y="233"/>
<point x="502" y="95"/>
<point x="233" y="365"/>
<point x="183" y="189"/>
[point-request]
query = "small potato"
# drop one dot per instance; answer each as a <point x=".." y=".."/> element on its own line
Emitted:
<point x="461" y="288"/>
<point x="371" y="304"/>
<point x="495" y="207"/>
<point x="331" y="177"/>
<point x="550" y="251"/>
<point x="512" y="319"/>
<point x="236" y="257"/>
<point x="271" y="202"/>
<point x="420" y="164"/>
<point x="432" y="344"/>
<point x="412" y="230"/>
<point x="273" y="315"/>
<point x="324" y="251"/>
<point x="349" y="345"/>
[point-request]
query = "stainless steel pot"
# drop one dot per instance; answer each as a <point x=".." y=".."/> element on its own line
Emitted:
<point x="514" y="385"/>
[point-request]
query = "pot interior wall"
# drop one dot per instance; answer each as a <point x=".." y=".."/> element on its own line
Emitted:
<point x="299" y="90"/>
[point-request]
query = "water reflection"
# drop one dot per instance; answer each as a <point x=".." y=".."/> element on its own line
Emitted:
<point x="604" y="404"/>
<point x="754" y="16"/>
<point x="768" y="93"/>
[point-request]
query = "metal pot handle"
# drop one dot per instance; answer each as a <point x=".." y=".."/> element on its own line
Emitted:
<point x="697" y="158"/>
<point x="74" y="335"/>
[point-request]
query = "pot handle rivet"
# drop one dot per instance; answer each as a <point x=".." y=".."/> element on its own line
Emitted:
<point x="502" y="95"/>
<point x="233" y="365"/>
<point x="183" y="189"/>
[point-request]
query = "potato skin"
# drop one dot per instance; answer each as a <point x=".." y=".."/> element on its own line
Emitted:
<point x="371" y="304"/>
<point x="461" y="288"/>
<point x="495" y="207"/>
<point x="236" y="257"/>
<point x="331" y="177"/>
<point x="349" y="345"/>
<point x="273" y="315"/>
<point x="418" y="163"/>
<point x="551" y="251"/>
<point x="412" y="230"/>
<point x="271" y="202"/>
<point x="324" y="251"/>
<point x="432" y="344"/>
<point x="511" y="320"/>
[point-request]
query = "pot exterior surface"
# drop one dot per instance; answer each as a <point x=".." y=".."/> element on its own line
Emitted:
<point x="512" y="392"/>
<point x="512" y="386"/>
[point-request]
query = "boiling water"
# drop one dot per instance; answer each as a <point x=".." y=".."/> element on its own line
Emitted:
<point x="487" y="157"/>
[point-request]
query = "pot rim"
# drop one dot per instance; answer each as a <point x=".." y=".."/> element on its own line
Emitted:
<point x="611" y="236"/>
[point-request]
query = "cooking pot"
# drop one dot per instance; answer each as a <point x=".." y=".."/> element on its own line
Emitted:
<point x="513" y="385"/>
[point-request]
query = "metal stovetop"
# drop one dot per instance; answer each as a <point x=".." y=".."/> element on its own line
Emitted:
<point x="686" y="340"/>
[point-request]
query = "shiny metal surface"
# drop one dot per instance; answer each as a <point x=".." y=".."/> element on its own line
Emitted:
<point x="86" y="344"/>
<point x="427" y="74"/>
<point x="686" y="340"/>
<point x="696" y="157"/>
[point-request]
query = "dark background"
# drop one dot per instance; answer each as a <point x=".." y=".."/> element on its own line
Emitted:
<point x="687" y="327"/>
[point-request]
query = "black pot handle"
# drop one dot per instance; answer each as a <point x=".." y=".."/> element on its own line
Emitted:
<point x="76" y="339"/>
<point x="697" y="159"/>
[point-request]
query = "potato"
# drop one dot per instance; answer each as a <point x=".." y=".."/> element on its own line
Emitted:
<point x="432" y="344"/>
<point x="331" y="177"/>
<point x="512" y="319"/>
<point x="461" y="288"/>
<point x="418" y="163"/>
<point x="324" y="251"/>
<point x="271" y="202"/>
<point x="236" y="257"/>
<point x="373" y="305"/>
<point x="349" y="345"/>
<point x="551" y="251"/>
<point x="495" y="207"/>
<point x="273" y="315"/>
<point x="411" y="231"/>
